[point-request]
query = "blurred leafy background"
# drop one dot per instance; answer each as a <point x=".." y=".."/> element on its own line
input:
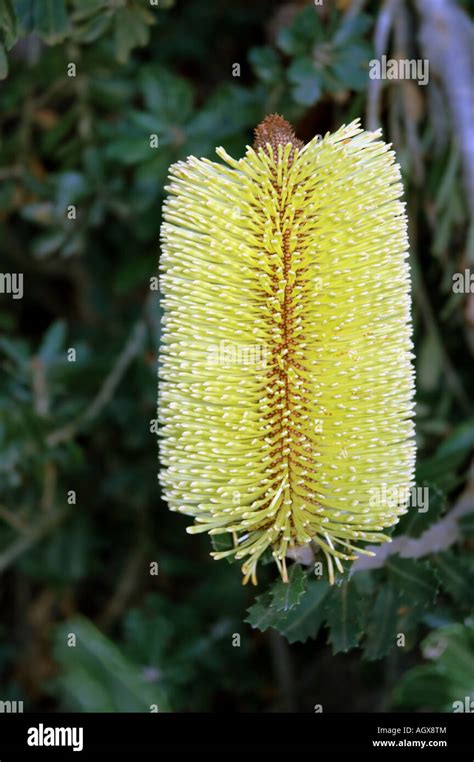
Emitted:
<point x="82" y="564"/>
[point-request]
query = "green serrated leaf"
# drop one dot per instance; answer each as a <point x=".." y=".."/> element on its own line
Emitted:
<point x="410" y="616"/>
<point x="306" y="81"/>
<point x="350" y="66"/>
<point x="303" y="621"/>
<point x="168" y="98"/>
<point x="460" y="442"/>
<point x="86" y="8"/>
<point x="353" y="27"/>
<point x="25" y="12"/>
<point x="414" y="580"/>
<point x="266" y="64"/>
<point x="53" y="341"/>
<point x="8" y="23"/>
<point x="300" y="622"/>
<point x="93" y="28"/>
<point x="456" y="575"/>
<point x="262" y="615"/>
<point x="364" y="582"/>
<point x="51" y="20"/>
<point x="47" y="243"/>
<point x="299" y="38"/>
<point x="415" y="522"/>
<point x="466" y="525"/>
<point x="451" y="454"/>
<point x="18" y="351"/>
<point x="123" y="42"/>
<point x="343" y="618"/>
<point x="131" y="30"/>
<point x="286" y="595"/>
<point x="382" y="626"/>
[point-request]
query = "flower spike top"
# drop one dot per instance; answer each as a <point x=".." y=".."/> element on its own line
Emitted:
<point x="286" y="378"/>
<point x="275" y="131"/>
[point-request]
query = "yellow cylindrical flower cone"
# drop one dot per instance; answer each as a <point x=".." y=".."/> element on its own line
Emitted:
<point x="286" y="392"/>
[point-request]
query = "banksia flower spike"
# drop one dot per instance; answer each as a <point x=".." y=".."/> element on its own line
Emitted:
<point x="286" y="392"/>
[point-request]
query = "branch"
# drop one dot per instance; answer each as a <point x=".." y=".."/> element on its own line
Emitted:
<point x="13" y="520"/>
<point x="106" y="392"/>
<point x="128" y="581"/>
<point x="381" y="35"/>
<point x="283" y="668"/>
<point x="36" y="533"/>
<point x="30" y="536"/>
<point x="444" y="25"/>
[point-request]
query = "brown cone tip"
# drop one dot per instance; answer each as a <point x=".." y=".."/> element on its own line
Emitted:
<point x="276" y="131"/>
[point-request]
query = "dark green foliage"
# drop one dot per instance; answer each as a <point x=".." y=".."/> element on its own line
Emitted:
<point x="456" y="574"/>
<point x="286" y="596"/>
<point x="415" y="522"/>
<point x="447" y="683"/>
<point x="382" y="623"/>
<point x="300" y="622"/>
<point x="344" y="617"/>
<point x="98" y="677"/>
